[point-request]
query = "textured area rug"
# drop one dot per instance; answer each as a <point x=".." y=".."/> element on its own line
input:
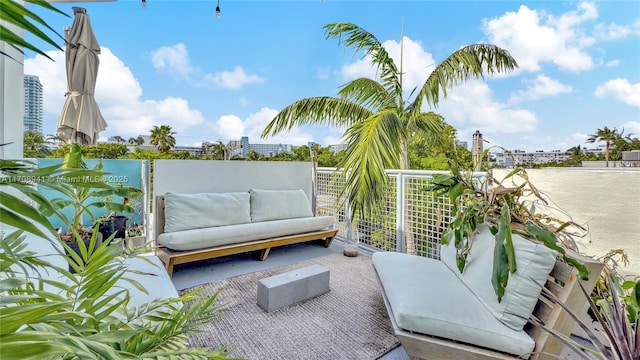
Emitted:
<point x="348" y="322"/>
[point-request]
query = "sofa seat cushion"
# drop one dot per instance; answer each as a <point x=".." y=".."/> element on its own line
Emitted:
<point x="267" y="205"/>
<point x="427" y="297"/>
<point x="193" y="211"/>
<point x="232" y="234"/>
<point x="534" y="263"/>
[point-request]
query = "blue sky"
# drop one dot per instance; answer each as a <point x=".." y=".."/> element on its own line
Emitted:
<point x="214" y="79"/>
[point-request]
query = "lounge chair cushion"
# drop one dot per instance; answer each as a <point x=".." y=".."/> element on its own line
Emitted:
<point x="269" y="205"/>
<point x="534" y="263"/>
<point x="195" y="211"/>
<point x="232" y="234"/>
<point x="428" y="298"/>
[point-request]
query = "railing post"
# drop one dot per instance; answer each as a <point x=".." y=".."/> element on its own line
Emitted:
<point x="400" y="243"/>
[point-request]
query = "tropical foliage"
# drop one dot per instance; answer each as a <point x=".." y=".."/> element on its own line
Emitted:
<point x="616" y="312"/>
<point x="608" y="136"/>
<point x="15" y="13"/>
<point x="162" y="137"/>
<point x="85" y="315"/>
<point x="37" y="145"/>
<point x="510" y="205"/>
<point x="96" y="194"/>
<point x="379" y="120"/>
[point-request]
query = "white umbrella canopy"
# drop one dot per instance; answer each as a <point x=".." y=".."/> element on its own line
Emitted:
<point x="80" y="121"/>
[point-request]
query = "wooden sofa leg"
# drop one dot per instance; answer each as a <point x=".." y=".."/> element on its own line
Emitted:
<point x="264" y="253"/>
<point x="327" y="242"/>
<point x="169" y="266"/>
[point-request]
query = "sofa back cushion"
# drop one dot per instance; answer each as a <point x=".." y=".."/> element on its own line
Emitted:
<point x="269" y="205"/>
<point x="534" y="263"/>
<point x="196" y="211"/>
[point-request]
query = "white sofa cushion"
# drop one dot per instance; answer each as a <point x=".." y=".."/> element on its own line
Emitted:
<point x="534" y="263"/>
<point x="428" y="298"/>
<point x="232" y="234"/>
<point x="269" y="205"/>
<point x="194" y="211"/>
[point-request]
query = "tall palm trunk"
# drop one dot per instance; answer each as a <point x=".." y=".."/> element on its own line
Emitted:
<point x="606" y="154"/>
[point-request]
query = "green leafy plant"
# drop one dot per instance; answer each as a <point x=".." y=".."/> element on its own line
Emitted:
<point x="506" y="209"/>
<point x="47" y="312"/>
<point x="617" y="314"/>
<point x="15" y="13"/>
<point x="83" y="193"/>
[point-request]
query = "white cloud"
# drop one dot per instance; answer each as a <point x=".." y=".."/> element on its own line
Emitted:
<point x="232" y="79"/>
<point x="323" y="72"/>
<point x="612" y="31"/>
<point x="580" y="138"/>
<point x="533" y="37"/>
<point x="471" y="106"/>
<point x="620" y="89"/>
<point x="612" y="63"/>
<point x="173" y="59"/>
<point x="118" y="95"/>
<point x="232" y="127"/>
<point x="332" y="140"/>
<point x="632" y="127"/>
<point x="541" y="86"/>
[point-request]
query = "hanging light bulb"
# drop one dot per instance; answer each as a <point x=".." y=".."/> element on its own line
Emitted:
<point x="218" y="10"/>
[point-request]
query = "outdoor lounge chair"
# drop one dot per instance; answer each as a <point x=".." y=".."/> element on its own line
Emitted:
<point x="438" y="313"/>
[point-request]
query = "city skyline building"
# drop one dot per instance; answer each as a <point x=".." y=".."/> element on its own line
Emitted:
<point x="33" y="104"/>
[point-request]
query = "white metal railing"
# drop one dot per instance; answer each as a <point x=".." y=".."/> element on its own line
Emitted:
<point x="412" y="220"/>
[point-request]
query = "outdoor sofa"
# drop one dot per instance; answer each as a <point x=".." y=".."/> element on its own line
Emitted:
<point x="439" y="313"/>
<point x="200" y="226"/>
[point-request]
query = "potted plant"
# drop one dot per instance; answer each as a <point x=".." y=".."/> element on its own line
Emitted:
<point x="84" y="316"/>
<point x="507" y="208"/>
<point x="86" y="193"/>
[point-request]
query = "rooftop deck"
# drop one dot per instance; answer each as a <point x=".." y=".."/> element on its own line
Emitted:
<point x="198" y="273"/>
<point x="203" y="272"/>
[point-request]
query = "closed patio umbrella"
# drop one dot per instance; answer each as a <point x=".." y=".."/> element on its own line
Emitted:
<point x="81" y="121"/>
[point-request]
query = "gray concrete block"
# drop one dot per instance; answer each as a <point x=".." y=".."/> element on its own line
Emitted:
<point x="288" y="288"/>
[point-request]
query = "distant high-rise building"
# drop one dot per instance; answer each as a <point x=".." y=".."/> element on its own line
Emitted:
<point x="33" y="104"/>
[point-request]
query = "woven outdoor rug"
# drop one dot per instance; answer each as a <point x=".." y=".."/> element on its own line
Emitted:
<point x="348" y="322"/>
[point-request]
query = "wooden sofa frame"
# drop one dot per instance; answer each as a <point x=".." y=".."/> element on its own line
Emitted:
<point x="563" y="282"/>
<point x="170" y="258"/>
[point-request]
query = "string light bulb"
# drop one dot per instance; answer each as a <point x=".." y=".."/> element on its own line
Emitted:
<point x="218" y="10"/>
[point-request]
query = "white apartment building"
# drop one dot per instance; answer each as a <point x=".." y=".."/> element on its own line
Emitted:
<point x="520" y="157"/>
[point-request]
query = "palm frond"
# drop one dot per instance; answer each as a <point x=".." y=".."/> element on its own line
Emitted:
<point x="368" y="93"/>
<point x="15" y="13"/>
<point x="429" y="126"/>
<point x="373" y="146"/>
<point x="353" y="36"/>
<point x="328" y="111"/>
<point x="470" y="62"/>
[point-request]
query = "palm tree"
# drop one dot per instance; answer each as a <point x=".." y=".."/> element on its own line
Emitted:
<point x="136" y="140"/>
<point x="607" y="135"/>
<point x="162" y="138"/>
<point x="253" y="155"/>
<point x="118" y="139"/>
<point x="36" y="144"/>
<point x="378" y="119"/>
